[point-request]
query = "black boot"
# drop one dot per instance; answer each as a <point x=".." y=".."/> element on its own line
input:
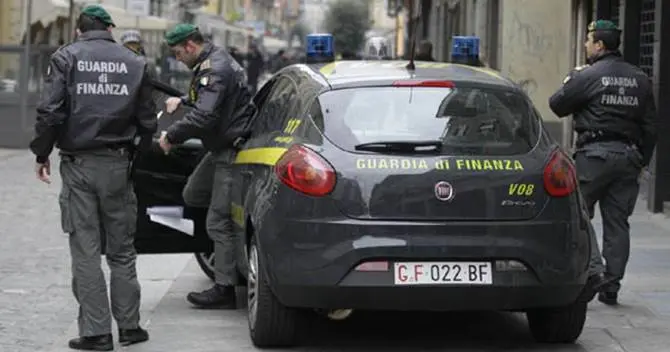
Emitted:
<point x="594" y="284"/>
<point x="129" y="337"/>
<point x="93" y="343"/>
<point x="217" y="297"/>
<point x="609" y="298"/>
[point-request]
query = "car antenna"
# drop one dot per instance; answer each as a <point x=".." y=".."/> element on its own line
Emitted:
<point x="411" y="66"/>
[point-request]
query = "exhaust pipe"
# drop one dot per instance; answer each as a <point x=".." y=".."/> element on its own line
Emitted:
<point x="339" y="314"/>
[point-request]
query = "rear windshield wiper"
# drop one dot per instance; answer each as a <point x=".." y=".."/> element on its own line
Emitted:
<point x="430" y="146"/>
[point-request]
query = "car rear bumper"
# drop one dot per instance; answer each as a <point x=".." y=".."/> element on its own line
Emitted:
<point x="312" y="263"/>
<point x="426" y="298"/>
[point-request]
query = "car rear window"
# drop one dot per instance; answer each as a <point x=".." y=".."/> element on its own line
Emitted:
<point x="469" y="121"/>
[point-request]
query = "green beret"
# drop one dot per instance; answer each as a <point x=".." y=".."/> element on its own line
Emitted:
<point x="97" y="12"/>
<point x="179" y="33"/>
<point x="602" y="25"/>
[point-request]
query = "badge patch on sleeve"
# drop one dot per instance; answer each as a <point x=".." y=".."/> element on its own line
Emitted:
<point x="204" y="81"/>
<point x="205" y="65"/>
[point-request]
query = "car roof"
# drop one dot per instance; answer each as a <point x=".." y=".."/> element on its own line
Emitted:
<point x="349" y="74"/>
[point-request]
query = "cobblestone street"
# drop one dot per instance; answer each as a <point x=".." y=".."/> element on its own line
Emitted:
<point x="37" y="311"/>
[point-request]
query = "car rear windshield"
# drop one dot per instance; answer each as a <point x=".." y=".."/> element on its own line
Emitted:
<point x="468" y="121"/>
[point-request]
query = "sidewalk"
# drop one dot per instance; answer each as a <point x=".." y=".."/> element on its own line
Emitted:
<point x="648" y="274"/>
<point x="640" y="324"/>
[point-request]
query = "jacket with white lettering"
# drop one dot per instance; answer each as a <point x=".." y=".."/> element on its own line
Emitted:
<point x="96" y="95"/>
<point x="222" y="108"/>
<point x="610" y="96"/>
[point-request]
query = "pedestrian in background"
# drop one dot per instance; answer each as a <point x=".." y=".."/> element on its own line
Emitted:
<point x="425" y="51"/>
<point x="96" y="100"/>
<point x="221" y="119"/>
<point x="132" y="39"/>
<point x="255" y="64"/>
<point x="614" y="113"/>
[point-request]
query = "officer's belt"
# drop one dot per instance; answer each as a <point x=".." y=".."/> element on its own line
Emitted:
<point x="120" y="149"/>
<point x="598" y="136"/>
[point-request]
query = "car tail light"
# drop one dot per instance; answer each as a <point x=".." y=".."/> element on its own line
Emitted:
<point x="560" y="178"/>
<point x="306" y="171"/>
<point x="433" y="84"/>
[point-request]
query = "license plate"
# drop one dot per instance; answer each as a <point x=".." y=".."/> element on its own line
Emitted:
<point x="443" y="273"/>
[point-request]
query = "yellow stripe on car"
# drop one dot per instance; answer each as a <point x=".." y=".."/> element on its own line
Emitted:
<point x="483" y="70"/>
<point x="263" y="156"/>
<point x="328" y="69"/>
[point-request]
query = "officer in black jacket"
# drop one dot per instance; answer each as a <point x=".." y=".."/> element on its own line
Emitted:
<point x="221" y="118"/>
<point x="96" y="100"/>
<point x="614" y="115"/>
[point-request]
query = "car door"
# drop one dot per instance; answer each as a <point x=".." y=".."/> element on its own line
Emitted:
<point x="164" y="223"/>
<point x="273" y="104"/>
<point x="243" y="173"/>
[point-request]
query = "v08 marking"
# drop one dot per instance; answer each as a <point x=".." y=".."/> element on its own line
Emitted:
<point x="521" y="189"/>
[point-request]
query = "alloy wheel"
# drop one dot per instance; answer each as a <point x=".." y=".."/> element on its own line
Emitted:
<point x="252" y="285"/>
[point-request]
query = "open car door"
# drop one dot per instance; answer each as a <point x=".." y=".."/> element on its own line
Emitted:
<point x="164" y="223"/>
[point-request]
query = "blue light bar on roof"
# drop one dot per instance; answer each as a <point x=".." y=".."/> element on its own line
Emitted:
<point x="319" y="48"/>
<point x="464" y="47"/>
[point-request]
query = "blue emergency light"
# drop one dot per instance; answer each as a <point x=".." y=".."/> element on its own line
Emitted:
<point x="464" y="48"/>
<point x="319" y="48"/>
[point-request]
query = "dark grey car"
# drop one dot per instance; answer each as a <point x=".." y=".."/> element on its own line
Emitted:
<point x="366" y="186"/>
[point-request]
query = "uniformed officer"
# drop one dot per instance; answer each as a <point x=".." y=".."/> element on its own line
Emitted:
<point x="221" y="118"/>
<point x="614" y="116"/>
<point x="96" y="100"/>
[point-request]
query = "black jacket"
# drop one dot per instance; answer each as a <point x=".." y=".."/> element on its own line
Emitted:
<point x="222" y="111"/>
<point x="96" y="95"/>
<point x="612" y="97"/>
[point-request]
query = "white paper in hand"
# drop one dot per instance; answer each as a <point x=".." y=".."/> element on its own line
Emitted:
<point x="171" y="217"/>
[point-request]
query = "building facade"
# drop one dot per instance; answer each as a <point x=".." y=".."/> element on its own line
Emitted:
<point x="536" y="42"/>
<point x="382" y="25"/>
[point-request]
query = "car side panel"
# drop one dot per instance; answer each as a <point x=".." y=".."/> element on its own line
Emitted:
<point x="256" y="183"/>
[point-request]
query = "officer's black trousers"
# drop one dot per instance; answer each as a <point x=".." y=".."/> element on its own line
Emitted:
<point x="608" y="175"/>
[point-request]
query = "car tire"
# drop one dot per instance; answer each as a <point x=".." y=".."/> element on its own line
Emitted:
<point x="271" y="324"/>
<point x="206" y="262"/>
<point x="557" y="325"/>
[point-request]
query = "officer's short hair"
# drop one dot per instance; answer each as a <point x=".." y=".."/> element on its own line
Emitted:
<point x="87" y="23"/>
<point x="611" y="39"/>
<point x="195" y="37"/>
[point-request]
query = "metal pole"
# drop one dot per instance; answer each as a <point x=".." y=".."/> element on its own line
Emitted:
<point x="70" y="32"/>
<point x="26" y="62"/>
<point x="568" y="134"/>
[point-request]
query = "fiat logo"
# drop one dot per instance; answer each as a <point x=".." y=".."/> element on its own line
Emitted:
<point x="444" y="191"/>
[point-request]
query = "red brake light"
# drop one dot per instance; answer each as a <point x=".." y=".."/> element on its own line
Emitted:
<point x="560" y="177"/>
<point x="430" y="84"/>
<point x="306" y="171"/>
